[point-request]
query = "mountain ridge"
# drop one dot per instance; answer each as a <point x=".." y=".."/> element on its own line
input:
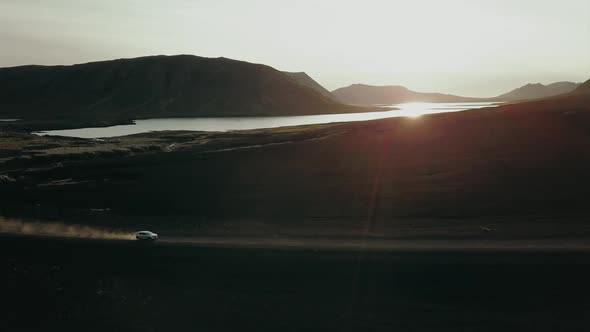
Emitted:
<point x="157" y="86"/>
<point x="538" y="90"/>
<point x="304" y="79"/>
<point x="363" y="94"/>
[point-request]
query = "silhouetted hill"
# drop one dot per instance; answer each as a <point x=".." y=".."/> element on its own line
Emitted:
<point x="583" y="88"/>
<point x="537" y="91"/>
<point x="156" y="86"/>
<point x="361" y="94"/>
<point x="304" y="79"/>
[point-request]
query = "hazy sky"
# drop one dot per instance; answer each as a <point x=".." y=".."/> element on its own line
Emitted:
<point x="469" y="47"/>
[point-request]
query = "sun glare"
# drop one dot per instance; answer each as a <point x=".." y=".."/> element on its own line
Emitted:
<point x="414" y="109"/>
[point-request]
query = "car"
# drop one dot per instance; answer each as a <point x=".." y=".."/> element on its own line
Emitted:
<point x="146" y="235"/>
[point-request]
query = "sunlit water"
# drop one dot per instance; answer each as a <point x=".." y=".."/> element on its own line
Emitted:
<point x="245" y="123"/>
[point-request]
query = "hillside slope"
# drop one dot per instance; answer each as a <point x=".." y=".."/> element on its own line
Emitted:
<point x="583" y="88"/>
<point x="156" y="86"/>
<point x="304" y="79"/>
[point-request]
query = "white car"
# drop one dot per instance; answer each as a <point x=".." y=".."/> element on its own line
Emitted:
<point x="146" y="235"/>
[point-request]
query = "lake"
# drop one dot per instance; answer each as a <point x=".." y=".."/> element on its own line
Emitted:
<point x="245" y="123"/>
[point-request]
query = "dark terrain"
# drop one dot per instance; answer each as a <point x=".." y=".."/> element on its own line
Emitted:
<point x="89" y="285"/>
<point x="522" y="168"/>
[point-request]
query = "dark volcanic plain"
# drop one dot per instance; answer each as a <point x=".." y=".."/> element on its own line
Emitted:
<point x="512" y="174"/>
<point x="520" y="169"/>
<point x="89" y="285"/>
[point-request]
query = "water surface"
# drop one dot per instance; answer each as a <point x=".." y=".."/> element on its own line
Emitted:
<point x="246" y="123"/>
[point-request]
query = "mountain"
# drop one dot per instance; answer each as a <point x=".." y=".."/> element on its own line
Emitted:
<point x="583" y="87"/>
<point x="361" y="94"/>
<point x="157" y="86"/>
<point x="305" y="80"/>
<point x="537" y="91"/>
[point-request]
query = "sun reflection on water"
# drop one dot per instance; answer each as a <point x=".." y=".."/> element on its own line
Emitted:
<point x="411" y="110"/>
<point x="414" y="110"/>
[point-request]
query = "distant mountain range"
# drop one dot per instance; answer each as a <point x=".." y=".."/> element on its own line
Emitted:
<point x="159" y="86"/>
<point x="361" y="94"/>
<point x="536" y="91"/>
